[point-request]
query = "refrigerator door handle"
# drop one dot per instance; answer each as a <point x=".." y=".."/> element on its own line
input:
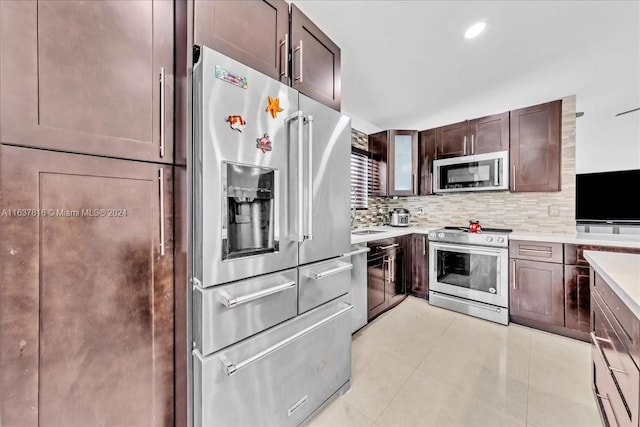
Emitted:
<point x="309" y="234"/>
<point x="230" y="301"/>
<point x="299" y="117"/>
<point x="230" y="368"/>
<point x="337" y="270"/>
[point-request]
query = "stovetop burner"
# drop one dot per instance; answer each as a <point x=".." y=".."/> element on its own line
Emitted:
<point x="482" y="230"/>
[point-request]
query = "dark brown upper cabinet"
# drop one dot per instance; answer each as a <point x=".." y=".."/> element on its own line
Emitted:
<point x="489" y="134"/>
<point x="426" y="155"/>
<point x="254" y="32"/>
<point x="87" y="296"/>
<point x="451" y="140"/>
<point x="315" y="61"/>
<point x="535" y="149"/>
<point x="484" y="135"/>
<point x="394" y="159"/>
<point x="88" y="77"/>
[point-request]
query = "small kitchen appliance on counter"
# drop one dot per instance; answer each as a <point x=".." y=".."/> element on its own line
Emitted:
<point x="468" y="271"/>
<point x="399" y="217"/>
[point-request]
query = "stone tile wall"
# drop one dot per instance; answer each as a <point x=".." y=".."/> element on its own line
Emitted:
<point x="519" y="211"/>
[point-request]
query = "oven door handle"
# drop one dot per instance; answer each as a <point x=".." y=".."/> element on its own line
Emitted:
<point x="468" y="249"/>
<point x="470" y="303"/>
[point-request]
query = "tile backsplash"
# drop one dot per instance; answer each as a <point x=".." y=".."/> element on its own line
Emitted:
<point x="519" y="211"/>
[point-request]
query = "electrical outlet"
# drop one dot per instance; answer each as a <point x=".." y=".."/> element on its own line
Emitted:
<point x="554" y="210"/>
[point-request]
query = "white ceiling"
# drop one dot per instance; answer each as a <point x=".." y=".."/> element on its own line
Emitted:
<point x="406" y="64"/>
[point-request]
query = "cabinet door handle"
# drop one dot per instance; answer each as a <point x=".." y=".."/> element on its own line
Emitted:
<point x="513" y="176"/>
<point x="424" y="245"/>
<point x="392" y="269"/>
<point x="283" y="57"/>
<point x="162" y="112"/>
<point x="464" y="145"/>
<point x="431" y="181"/>
<point x="161" y="178"/>
<point x="473" y="149"/>
<point x="299" y="49"/>
<point x="513" y="274"/>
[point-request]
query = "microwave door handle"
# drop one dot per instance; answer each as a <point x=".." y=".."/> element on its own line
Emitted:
<point x="496" y="172"/>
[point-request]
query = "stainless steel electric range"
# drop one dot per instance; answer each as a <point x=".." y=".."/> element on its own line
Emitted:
<point x="468" y="272"/>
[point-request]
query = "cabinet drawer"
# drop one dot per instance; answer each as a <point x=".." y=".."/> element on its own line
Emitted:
<point x="616" y="360"/>
<point x="229" y="313"/>
<point x="536" y="251"/>
<point x="626" y="324"/>
<point x="385" y="246"/>
<point x="279" y="377"/>
<point x="606" y="393"/>
<point x="574" y="254"/>
<point x="323" y="281"/>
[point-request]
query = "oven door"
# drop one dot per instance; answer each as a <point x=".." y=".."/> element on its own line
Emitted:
<point x="471" y="272"/>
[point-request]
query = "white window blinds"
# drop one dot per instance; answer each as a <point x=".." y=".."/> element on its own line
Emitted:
<point x="359" y="180"/>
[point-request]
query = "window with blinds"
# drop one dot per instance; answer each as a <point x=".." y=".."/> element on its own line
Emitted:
<point x="359" y="180"/>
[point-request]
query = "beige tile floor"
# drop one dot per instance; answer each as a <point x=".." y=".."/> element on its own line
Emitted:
<point x="419" y="365"/>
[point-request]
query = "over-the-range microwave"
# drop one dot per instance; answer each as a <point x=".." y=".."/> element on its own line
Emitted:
<point x="478" y="172"/>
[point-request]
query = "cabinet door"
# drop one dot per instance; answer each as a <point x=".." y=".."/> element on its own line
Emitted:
<point x="537" y="291"/>
<point x="378" y="165"/>
<point x="451" y="140"/>
<point x="426" y="154"/>
<point x="254" y="32"/>
<point x="577" y="299"/>
<point x="377" y="278"/>
<point x="92" y="77"/>
<point x="489" y="134"/>
<point x="86" y="302"/>
<point x="535" y="147"/>
<point x="315" y="61"/>
<point x="399" y="285"/>
<point x="420" y="265"/>
<point x="403" y="162"/>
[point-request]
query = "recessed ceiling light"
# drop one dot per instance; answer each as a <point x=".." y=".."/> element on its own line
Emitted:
<point x="474" y="30"/>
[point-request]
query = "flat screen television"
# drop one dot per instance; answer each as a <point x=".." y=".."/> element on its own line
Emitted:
<point x="608" y="197"/>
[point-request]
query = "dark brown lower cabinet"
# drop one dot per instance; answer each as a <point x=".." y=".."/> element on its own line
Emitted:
<point x="420" y="265"/>
<point x="388" y="268"/>
<point x="577" y="298"/>
<point x="87" y="294"/>
<point x="537" y="292"/>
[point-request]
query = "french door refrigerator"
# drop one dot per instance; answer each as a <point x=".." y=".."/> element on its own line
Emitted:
<point x="271" y="321"/>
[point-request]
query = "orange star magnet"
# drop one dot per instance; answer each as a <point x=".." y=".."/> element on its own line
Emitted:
<point x="274" y="106"/>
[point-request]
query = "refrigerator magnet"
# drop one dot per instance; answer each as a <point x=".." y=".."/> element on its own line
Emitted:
<point x="234" y="79"/>
<point x="264" y="143"/>
<point x="274" y="106"/>
<point x="236" y="122"/>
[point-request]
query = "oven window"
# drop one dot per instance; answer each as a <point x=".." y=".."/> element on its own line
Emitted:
<point x="477" y="272"/>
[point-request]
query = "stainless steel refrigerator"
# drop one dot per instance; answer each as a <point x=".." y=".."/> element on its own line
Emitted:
<point x="272" y="340"/>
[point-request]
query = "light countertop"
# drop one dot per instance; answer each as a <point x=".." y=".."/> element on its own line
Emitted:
<point x="614" y="240"/>
<point x="622" y="274"/>
<point x="388" y="232"/>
